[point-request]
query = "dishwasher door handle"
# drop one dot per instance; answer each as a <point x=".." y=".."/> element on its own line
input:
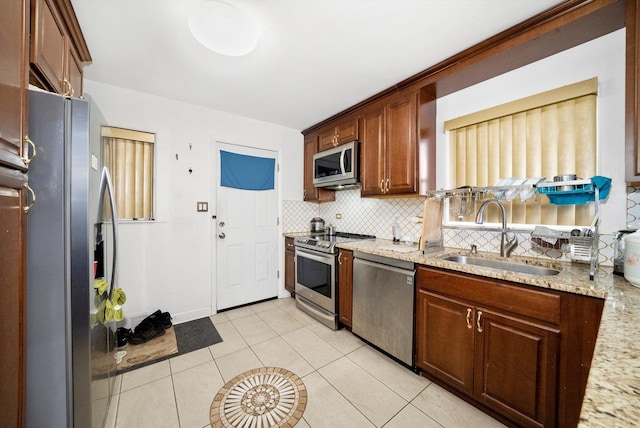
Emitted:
<point x="374" y="265"/>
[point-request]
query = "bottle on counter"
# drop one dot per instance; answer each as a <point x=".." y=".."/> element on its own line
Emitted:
<point x="395" y="230"/>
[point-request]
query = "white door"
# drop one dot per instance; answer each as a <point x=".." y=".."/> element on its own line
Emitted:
<point x="246" y="238"/>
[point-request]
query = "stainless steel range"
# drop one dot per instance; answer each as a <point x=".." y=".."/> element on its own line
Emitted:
<point x="316" y="274"/>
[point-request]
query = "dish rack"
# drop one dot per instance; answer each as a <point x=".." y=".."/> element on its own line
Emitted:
<point x="583" y="246"/>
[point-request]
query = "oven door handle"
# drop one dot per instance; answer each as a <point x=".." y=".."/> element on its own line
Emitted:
<point x="319" y="257"/>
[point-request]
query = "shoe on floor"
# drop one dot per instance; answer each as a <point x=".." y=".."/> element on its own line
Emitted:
<point x="145" y="331"/>
<point x="122" y="337"/>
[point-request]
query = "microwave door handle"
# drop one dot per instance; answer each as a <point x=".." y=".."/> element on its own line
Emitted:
<point x="343" y="169"/>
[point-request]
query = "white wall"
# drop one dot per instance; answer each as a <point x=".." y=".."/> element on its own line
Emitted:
<point x="167" y="264"/>
<point x="603" y="58"/>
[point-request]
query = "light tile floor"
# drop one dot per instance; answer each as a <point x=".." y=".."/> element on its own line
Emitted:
<point x="349" y="383"/>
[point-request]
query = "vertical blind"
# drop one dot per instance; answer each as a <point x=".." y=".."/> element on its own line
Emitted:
<point x="555" y="138"/>
<point x="129" y="156"/>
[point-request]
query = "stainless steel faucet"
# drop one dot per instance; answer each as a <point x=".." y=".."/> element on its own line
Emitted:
<point x="506" y="245"/>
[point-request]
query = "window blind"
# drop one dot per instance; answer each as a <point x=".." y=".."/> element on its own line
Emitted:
<point x="543" y="141"/>
<point x="129" y="156"/>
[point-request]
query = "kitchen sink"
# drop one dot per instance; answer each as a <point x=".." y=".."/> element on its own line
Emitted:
<point x="502" y="265"/>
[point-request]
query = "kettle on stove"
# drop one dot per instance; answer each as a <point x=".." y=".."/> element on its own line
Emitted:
<point x="618" y="251"/>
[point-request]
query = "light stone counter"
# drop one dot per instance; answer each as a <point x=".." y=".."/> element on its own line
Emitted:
<point x="612" y="398"/>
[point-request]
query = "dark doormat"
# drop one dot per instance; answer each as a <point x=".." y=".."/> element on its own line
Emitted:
<point x="189" y="336"/>
<point x="196" y="334"/>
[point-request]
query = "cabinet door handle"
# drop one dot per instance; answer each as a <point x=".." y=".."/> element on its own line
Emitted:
<point x="478" y="322"/>
<point x="26" y="159"/>
<point x="387" y="186"/>
<point x="69" y="92"/>
<point x="469" y="324"/>
<point x="382" y="186"/>
<point x="33" y="198"/>
<point x="339" y="258"/>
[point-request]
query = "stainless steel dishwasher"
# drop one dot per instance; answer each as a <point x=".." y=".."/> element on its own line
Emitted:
<point x="383" y="300"/>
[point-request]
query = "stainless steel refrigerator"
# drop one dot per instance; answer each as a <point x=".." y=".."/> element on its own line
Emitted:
<point x="70" y="368"/>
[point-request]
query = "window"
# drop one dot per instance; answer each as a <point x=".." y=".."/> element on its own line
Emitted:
<point x="129" y="156"/>
<point x="549" y="134"/>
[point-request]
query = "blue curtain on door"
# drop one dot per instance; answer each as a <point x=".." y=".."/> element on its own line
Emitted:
<point x="246" y="172"/>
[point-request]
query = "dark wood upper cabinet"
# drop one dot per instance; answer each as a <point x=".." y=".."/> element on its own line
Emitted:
<point x="58" y="51"/>
<point x="311" y="192"/>
<point x="341" y="132"/>
<point x="632" y="118"/>
<point x="389" y="149"/>
<point x="13" y="82"/>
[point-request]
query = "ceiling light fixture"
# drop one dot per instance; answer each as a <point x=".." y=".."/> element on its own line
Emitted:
<point x="224" y="28"/>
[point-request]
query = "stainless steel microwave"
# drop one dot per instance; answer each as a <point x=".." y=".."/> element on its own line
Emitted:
<point x="337" y="168"/>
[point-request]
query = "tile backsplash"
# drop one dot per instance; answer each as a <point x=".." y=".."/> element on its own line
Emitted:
<point x="376" y="216"/>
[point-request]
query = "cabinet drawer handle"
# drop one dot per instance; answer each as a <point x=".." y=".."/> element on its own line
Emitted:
<point x="469" y="324"/>
<point x="26" y="159"/>
<point x="33" y="198"/>
<point x="478" y="322"/>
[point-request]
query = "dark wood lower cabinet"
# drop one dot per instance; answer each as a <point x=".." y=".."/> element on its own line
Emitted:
<point x="345" y="287"/>
<point x="12" y="305"/>
<point x="289" y="266"/>
<point x="516" y="367"/>
<point x="519" y="351"/>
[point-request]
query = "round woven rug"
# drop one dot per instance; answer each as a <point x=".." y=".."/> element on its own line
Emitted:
<point x="263" y="397"/>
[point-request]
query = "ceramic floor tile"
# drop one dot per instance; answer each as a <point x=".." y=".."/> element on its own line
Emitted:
<point x="302" y="317"/>
<point x="144" y="375"/>
<point x="192" y="359"/>
<point x="195" y="389"/>
<point x="284" y="301"/>
<point x="412" y="417"/>
<point x="218" y="318"/>
<point x="239" y="312"/>
<point x="400" y="379"/>
<point x="316" y="351"/>
<point x="379" y="404"/>
<point x="234" y="364"/>
<point x="231" y="340"/>
<point x="253" y="329"/>
<point x="342" y="340"/>
<point x="152" y="405"/>
<point x="450" y="411"/>
<point x="117" y="384"/>
<point x="280" y="321"/>
<point x="278" y="353"/>
<point x="112" y="412"/>
<point x="327" y="408"/>
<point x="302" y="424"/>
<point x="263" y="306"/>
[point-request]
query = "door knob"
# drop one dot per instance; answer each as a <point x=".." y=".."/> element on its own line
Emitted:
<point x="222" y="235"/>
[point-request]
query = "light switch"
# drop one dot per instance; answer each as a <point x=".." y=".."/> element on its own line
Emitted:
<point x="203" y="207"/>
<point x="94" y="162"/>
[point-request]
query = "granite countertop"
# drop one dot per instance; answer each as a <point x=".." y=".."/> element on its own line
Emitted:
<point x="612" y="397"/>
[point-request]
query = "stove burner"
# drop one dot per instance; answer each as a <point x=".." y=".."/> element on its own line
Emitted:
<point x="327" y="243"/>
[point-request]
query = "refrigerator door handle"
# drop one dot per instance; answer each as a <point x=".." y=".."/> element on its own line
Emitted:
<point x="107" y="186"/>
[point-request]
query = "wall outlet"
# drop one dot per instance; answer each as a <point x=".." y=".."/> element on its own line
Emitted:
<point x="416" y="219"/>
